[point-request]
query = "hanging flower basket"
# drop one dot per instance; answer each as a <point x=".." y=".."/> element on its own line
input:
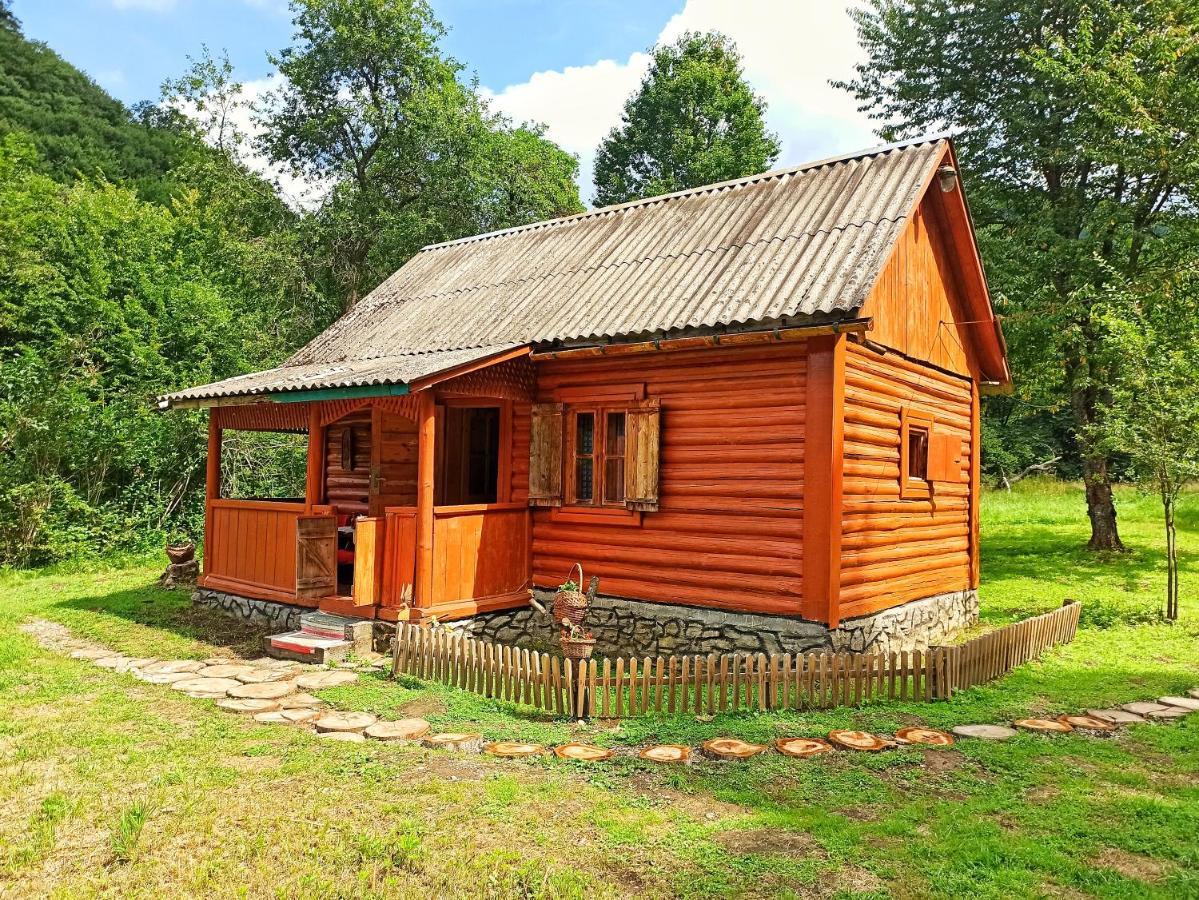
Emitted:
<point x="570" y="603"/>
<point x="578" y="648"/>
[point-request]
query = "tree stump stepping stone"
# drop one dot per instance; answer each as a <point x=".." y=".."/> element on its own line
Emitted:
<point x="203" y="685"/>
<point x="1167" y="712"/>
<point x="225" y="671"/>
<point x="350" y="737"/>
<point x="300" y="701"/>
<point x="164" y="677"/>
<point x="928" y="737"/>
<point x="272" y="717"/>
<point x="172" y="666"/>
<point x="466" y="741"/>
<point x="300" y="716"/>
<point x="263" y="676"/>
<point x="1088" y="723"/>
<point x="1189" y="703"/>
<point x="985" y="732"/>
<point x="582" y="752"/>
<point x="730" y="748"/>
<point x="247" y="705"/>
<point x="514" y="749"/>
<point x="142" y="662"/>
<point x="666" y="753"/>
<point x="344" y="721"/>
<point x="1143" y="707"/>
<point x="271" y="690"/>
<point x="802" y="748"/>
<point x="111" y="662"/>
<point x="205" y="695"/>
<point x="316" y="681"/>
<point x="1044" y="726"/>
<point x="399" y="730"/>
<point x="856" y="740"/>
<point x="1117" y="716"/>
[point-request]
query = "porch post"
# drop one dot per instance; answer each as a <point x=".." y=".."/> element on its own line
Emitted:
<point x="823" y="471"/>
<point x="212" y="484"/>
<point x="316" y="457"/>
<point x="426" y="437"/>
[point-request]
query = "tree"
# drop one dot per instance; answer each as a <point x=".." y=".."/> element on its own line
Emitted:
<point x="374" y="111"/>
<point x="693" y="121"/>
<point x="7" y="19"/>
<point x="1074" y="122"/>
<point x="1151" y="341"/>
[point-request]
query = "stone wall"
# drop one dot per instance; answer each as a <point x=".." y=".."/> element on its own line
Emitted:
<point x="917" y="625"/>
<point x="278" y="617"/>
<point x="636" y="628"/>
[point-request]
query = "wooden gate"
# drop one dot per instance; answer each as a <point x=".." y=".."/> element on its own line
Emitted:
<point x="316" y="557"/>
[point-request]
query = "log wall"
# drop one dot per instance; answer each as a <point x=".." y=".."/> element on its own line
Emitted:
<point x="895" y="550"/>
<point x="728" y="532"/>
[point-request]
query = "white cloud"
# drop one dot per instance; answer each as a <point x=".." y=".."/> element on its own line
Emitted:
<point x="149" y="5"/>
<point x="791" y="48"/>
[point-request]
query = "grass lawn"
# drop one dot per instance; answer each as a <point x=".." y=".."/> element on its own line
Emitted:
<point x="114" y="787"/>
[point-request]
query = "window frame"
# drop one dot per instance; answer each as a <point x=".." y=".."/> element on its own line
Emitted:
<point x="504" y="463"/>
<point x="910" y="487"/>
<point x="599" y="456"/>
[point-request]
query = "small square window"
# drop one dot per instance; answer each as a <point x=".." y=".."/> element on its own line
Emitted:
<point x="917" y="454"/>
<point x="914" y="439"/>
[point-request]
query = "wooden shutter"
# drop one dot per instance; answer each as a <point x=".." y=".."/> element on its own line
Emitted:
<point x="944" y="457"/>
<point x="545" y="455"/>
<point x="316" y="557"/>
<point x="641" y="455"/>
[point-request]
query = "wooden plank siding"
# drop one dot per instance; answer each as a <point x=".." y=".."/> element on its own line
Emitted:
<point x="729" y="529"/>
<point x="895" y="550"/>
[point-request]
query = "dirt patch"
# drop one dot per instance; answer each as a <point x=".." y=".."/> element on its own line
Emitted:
<point x="1132" y="865"/>
<point x="859" y="813"/>
<point x="422" y="708"/>
<point x="943" y="761"/>
<point x="252" y="763"/>
<point x="698" y="805"/>
<point x="856" y="880"/>
<point x="456" y="769"/>
<point x="1044" y="793"/>
<point x="771" y="842"/>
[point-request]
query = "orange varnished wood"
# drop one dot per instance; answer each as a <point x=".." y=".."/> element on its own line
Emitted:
<point x="426" y="454"/>
<point x="212" y="485"/>
<point x="896" y="548"/>
<point x="370" y="539"/>
<point x="822" y="480"/>
<point x="478" y="551"/>
<point x="399" y="573"/>
<point x="729" y="529"/>
<point x="253" y="543"/>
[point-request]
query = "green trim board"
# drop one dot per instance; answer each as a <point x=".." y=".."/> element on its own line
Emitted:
<point x="342" y="393"/>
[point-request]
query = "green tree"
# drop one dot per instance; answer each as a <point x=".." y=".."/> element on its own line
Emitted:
<point x="1075" y="123"/>
<point x="374" y="112"/>
<point x="1151" y="343"/>
<point x="693" y="121"/>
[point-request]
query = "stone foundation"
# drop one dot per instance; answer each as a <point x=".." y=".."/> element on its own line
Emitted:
<point x="259" y="613"/>
<point x="637" y="628"/>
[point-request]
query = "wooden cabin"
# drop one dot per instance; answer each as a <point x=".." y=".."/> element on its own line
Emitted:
<point x="759" y="397"/>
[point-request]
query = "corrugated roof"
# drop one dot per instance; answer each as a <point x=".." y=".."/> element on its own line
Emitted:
<point x="402" y="369"/>
<point x="801" y="243"/>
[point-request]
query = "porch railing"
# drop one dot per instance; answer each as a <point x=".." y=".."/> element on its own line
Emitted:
<point x="251" y="546"/>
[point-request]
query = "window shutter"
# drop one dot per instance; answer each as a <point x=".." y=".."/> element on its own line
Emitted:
<point x="641" y="455"/>
<point x="944" y="457"/>
<point x="545" y="455"/>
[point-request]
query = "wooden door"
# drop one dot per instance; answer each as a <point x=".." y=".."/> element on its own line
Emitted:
<point x="316" y="557"/>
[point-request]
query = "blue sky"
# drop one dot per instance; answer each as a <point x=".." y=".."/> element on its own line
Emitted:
<point x="567" y="63"/>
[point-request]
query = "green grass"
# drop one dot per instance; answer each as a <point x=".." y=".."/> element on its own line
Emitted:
<point x="111" y="786"/>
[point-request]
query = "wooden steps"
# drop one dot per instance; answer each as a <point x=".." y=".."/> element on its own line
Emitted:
<point x="322" y="638"/>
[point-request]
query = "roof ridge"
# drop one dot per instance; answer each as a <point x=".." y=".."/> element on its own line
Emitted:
<point x="878" y="150"/>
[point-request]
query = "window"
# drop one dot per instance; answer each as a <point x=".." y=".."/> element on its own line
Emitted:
<point x="597" y="450"/>
<point x="915" y="429"/>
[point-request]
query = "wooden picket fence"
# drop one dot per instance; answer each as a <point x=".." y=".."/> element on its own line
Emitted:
<point x="715" y="683"/>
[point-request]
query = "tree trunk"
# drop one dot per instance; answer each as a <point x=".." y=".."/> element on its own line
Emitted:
<point x="1171" y="561"/>
<point x="1101" y="508"/>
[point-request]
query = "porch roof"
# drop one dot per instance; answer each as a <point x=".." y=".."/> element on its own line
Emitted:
<point x="298" y="382"/>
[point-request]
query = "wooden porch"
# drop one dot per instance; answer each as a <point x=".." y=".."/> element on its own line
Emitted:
<point x="414" y="504"/>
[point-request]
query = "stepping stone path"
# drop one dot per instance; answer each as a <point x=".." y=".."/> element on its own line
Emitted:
<point x="1182" y="702"/>
<point x="1117" y="716"/>
<point x="270" y="690"/>
<point x="345" y="721"/>
<point x="402" y="730"/>
<point x="985" y="732"/>
<point x="320" y="680"/>
<point x="247" y="705"/>
<point x="267" y="689"/>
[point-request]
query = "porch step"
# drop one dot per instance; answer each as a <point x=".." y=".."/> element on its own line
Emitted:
<point x="358" y="632"/>
<point x="305" y="647"/>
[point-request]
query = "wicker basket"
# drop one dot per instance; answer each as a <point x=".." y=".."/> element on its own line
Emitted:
<point x="577" y="648"/>
<point x="181" y="553"/>
<point x="571" y="605"/>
